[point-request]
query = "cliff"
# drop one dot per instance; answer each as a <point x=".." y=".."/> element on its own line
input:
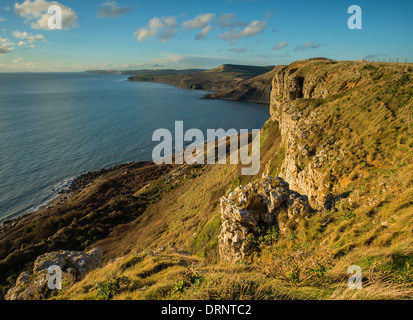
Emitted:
<point x="257" y="89"/>
<point x="335" y="189"/>
<point x="341" y="125"/>
<point x="336" y="119"/>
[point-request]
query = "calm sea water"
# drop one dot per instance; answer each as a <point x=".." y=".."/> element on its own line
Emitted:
<point x="54" y="127"/>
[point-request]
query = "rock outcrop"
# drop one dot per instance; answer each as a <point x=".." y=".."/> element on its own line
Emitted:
<point x="74" y="265"/>
<point x="268" y="202"/>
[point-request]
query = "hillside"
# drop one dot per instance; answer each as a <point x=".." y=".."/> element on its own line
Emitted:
<point x="256" y="89"/>
<point x="221" y="78"/>
<point x="335" y="189"/>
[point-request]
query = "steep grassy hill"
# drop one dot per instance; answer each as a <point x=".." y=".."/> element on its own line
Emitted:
<point x="341" y="135"/>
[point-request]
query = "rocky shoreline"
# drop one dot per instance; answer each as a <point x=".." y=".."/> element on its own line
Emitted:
<point x="77" y="185"/>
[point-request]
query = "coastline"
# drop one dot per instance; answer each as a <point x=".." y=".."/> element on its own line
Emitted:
<point x="80" y="182"/>
<point x="226" y="82"/>
<point x="63" y="194"/>
<point x="250" y="93"/>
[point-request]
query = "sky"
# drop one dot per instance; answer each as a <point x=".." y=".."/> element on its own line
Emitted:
<point x="137" y="34"/>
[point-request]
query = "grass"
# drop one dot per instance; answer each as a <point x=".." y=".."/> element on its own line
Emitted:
<point x="191" y="278"/>
<point x="205" y="241"/>
<point x="364" y="128"/>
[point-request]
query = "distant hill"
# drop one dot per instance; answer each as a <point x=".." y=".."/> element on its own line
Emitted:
<point x="222" y="78"/>
<point x="255" y="89"/>
<point x="146" y="72"/>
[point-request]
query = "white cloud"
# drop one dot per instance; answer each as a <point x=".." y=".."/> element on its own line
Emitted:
<point x="35" y="13"/>
<point x="170" y="29"/>
<point x="307" y="45"/>
<point x="21" y="43"/>
<point x="35" y="38"/>
<point x="110" y="9"/>
<point x="203" y="33"/>
<point x="200" y="21"/>
<point x="281" y="45"/>
<point x="28" y="37"/>
<point x="6" y="46"/>
<point x="229" y="20"/>
<point x="254" y="28"/>
<point x="20" y="35"/>
<point x="165" y="28"/>
<point x="154" y="26"/>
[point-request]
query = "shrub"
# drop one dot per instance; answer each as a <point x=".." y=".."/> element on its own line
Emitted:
<point x="346" y="210"/>
<point x="189" y="278"/>
<point x="108" y="289"/>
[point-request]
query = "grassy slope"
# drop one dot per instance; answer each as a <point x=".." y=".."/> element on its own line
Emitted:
<point x="372" y="121"/>
<point x="312" y="262"/>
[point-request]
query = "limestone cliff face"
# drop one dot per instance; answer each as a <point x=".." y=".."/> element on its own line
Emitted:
<point x="308" y="79"/>
<point x="306" y="180"/>
<point x="301" y="185"/>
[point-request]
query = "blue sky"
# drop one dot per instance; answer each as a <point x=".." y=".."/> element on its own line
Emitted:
<point x="135" y="34"/>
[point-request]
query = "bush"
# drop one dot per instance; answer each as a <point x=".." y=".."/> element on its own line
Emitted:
<point x="109" y="289"/>
<point x="346" y="210"/>
<point x="189" y="278"/>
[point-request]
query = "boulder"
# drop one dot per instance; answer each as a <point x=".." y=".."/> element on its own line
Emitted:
<point x="74" y="265"/>
<point x="266" y="203"/>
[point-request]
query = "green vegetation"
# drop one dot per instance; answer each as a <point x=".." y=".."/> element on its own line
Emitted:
<point x="107" y="290"/>
<point x="189" y="278"/>
<point x="357" y="139"/>
<point x="206" y="239"/>
<point x="276" y="164"/>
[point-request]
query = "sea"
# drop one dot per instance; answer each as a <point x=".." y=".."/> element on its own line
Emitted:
<point x="57" y="126"/>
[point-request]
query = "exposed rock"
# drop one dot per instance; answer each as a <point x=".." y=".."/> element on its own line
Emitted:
<point x="305" y="80"/>
<point x="74" y="265"/>
<point x="268" y="202"/>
